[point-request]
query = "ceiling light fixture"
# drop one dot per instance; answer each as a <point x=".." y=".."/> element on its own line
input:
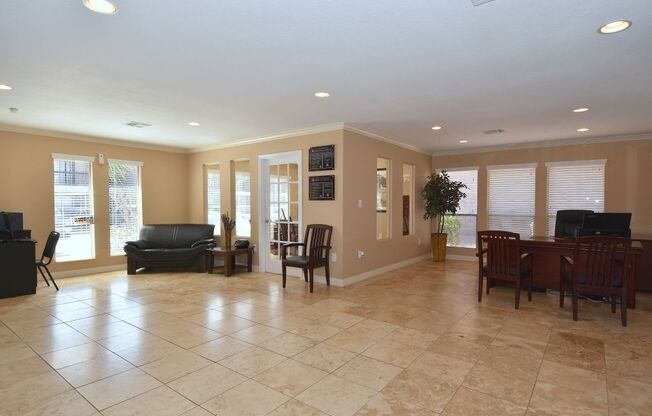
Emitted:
<point x="322" y="94"/>
<point x="464" y="141"/>
<point x="101" y="6"/>
<point x="437" y="128"/>
<point x="614" y="27"/>
<point x="193" y="123"/>
<point x="4" y="87"/>
<point x="583" y="129"/>
<point x="580" y="110"/>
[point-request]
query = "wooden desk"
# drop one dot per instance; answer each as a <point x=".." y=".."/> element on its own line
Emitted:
<point x="546" y="268"/>
<point x="644" y="278"/>
<point x="17" y="267"/>
<point x="229" y="256"/>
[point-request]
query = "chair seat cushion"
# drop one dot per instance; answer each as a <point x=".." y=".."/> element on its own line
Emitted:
<point x="525" y="270"/>
<point x="166" y="254"/>
<point x="302" y="261"/>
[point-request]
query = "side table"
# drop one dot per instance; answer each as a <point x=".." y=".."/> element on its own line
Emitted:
<point x="229" y="255"/>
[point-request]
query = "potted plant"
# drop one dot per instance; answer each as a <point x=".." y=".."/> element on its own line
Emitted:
<point x="441" y="196"/>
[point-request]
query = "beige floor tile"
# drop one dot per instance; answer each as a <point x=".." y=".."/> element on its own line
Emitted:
<point x="290" y="377"/>
<point x="503" y="386"/>
<point x="198" y="411"/>
<point x="69" y="403"/>
<point x="221" y="348"/>
<point x="629" y="397"/>
<point x="442" y="367"/>
<point x="206" y="383"/>
<point x="548" y="399"/>
<point x="421" y="390"/>
<point x="382" y="405"/>
<point x="353" y="340"/>
<point x="511" y="362"/>
<point x="149" y="351"/>
<point x="296" y="408"/>
<point x="115" y="389"/>
<point x="287" y="322"/>
<point x="317" y="331"/>
<point x="393" y="352"/>
<point x="175" y="365"/>
<point x="325" y="357"/>
<point x="470" y="402"/>
<point x="368" y="372"/>
<point x="15" y="352"/>
<point x="102" y="331"/>
<point x="573" y="378"/>
<point x="17" y="371"/>
<point x="257" y="334"/>
<point x="520" y="329"/>
<point x="75" y="355"/>
<point x="93" y="370"/>
<point x="252" y="361"/>
<point x="16" y="398"/>
<point x="576" y="350"/>
<point x="238" y="401"/>
<point x="457" y="345"/>
<point x="411" y="337"/>
<point x="288" y="344"/>
<point x="161" y="401"/>
<point x="341" y="319"/>
<point x="337" y="396"/>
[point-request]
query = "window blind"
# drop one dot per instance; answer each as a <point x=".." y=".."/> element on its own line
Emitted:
<point x="213" y="198"/>
<point x="574" y="185"/>
<point x="73" y="208"/>
<point x="125" y="213"/>
<point x="461" y="228"/>
<point x="242" y="204"/>
<point x="511" y="197"/>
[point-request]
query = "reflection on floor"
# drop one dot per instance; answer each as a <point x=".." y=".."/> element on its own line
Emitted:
<point x="410" y="342"/>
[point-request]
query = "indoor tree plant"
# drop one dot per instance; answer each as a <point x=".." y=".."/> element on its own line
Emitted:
<point x="441" y="196"/>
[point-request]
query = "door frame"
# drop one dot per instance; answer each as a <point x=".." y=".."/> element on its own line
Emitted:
<point x="263" y="205"/>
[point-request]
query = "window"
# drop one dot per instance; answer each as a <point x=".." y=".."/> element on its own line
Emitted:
<point x="125" y="207"/>
<point x="461" y="227"/>
<point x="73" y="207"/>
<point x="382" y="198"/>
<point x="408" y="199"/>
<point x="242" y="199"/>
<point x="511" y="190"/>
<point x="574" y="185"/>
<point x="213" y="198"/>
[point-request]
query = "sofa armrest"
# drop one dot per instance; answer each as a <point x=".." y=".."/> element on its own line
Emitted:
<point x="209" y="242"/>
<point x="139" y="244"/>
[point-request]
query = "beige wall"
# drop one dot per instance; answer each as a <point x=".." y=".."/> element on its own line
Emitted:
<point x="627" y="177"/>
<point x="360" y="153"/>
<point x="26" y="185"/>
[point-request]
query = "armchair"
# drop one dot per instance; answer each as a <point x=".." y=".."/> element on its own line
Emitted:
<point x="315" y="251"/>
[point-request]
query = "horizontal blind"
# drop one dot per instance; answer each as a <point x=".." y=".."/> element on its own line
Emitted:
<point x="578" y="185"/>
<point x="242" y="204"/>
<point x="125" y="213"/>
<point x="511" y="195"/>
<point x="213" y="198"/>
<point x="73" y="209"/>
<point x="461" y="228"/>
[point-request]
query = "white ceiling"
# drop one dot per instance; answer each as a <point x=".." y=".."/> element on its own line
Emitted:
<point x="249" y="68"/>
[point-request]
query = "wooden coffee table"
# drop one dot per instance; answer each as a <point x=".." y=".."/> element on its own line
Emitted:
<point x="229" y="255"/>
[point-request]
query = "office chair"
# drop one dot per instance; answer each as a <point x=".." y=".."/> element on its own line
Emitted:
<point x="46" y="258"/>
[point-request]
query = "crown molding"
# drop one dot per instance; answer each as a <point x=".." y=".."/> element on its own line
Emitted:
<point x="349" y="128"/>
<point x="548" y="143"/>
<point x="91" y="139"/>
<point x="272" y="137"/>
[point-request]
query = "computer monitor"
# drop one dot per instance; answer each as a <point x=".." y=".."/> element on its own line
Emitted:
<point x="568" y="220"/>
<point x="11" y="221"/>
<point x="606" y="223"/>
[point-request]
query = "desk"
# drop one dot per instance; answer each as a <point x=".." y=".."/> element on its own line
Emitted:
<point x="644" y="278"/>
<point x="545" y="262"/>
<point x="17" y="267"/>
<point x="229" y="255"/>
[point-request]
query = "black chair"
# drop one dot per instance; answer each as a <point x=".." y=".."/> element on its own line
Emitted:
<point x="316" y="248"/>
<point x="568" y="220"/>
<point x="48" y="255"/>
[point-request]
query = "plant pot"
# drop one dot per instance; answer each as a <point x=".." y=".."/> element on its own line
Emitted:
<point x="438" y="246"/>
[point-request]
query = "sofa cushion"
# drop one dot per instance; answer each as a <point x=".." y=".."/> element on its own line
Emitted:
<point x="175" y="236"/>
<point x="166" y="254"/>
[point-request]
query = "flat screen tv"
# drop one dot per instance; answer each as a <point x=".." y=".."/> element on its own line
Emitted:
<point x="606" y="223"/>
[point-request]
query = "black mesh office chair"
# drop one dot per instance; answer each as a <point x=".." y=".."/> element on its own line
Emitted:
<point x="46" y="258"/>
<point x="567" y="220"/>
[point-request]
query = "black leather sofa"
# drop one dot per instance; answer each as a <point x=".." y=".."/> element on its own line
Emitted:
<point x="170" y="247"/>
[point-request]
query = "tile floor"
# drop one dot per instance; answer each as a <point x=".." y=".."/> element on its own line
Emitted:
<point x="410" y="342"/>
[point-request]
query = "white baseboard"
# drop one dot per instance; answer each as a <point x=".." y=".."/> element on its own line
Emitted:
<point x="90" y="270"/>
<point x="461" y="257"/>
<point x="375" y="272"/>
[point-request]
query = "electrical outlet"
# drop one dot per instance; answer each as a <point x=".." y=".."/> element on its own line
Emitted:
<point x="419" y="242"/>
<point x="359" y="203"/>
<point x="333" y="256"/>
<point x="360" y="254"/>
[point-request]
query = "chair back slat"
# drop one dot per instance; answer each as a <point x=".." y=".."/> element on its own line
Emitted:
<point x="600" y="261"/>
<point x="317" y="235"/>
<point x="50" y="247"/>
<point x="503" y="253"/>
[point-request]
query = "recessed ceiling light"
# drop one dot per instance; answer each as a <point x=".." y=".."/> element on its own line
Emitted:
<point x="580" y="110"/>
<point x="583" y="129"/>
<point x="193" y="123"/>
<point x="4" y="87"/>
<point x="322" y="94"/>
<point x="614" y="27"/>
<point x="464" y="141"/>
<point x="437" y="127"/>
<point x="101" y="6"/>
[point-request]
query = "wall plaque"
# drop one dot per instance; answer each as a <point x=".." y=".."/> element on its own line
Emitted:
<point x="321" y="158"/>
<point x="322" y="188"/>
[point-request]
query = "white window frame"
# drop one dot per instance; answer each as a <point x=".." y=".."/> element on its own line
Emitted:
<point x="532" y="214"/>
<point x="139" y="166"/>
<point x="212" y="169"/>
<point x="235" y="201"/>
<point x="477" y="177"/>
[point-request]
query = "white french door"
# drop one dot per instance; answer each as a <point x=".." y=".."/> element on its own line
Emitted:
<point x="280" y="207"/>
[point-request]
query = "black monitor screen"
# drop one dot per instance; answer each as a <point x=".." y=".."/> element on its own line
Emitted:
<point x="11" y="221"/>
<point x="607" y="223"/>
<point x="567" y="221"/>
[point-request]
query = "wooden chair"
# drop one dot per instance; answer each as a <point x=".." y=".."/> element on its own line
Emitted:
<point x="599" y="266"/>
<point x="316" y="248"/>
<point x="504" y="262"/>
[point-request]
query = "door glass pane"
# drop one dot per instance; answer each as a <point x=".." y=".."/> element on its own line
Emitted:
<point x="294" y="172"/>
<point x="382" y="198"/>
<point x="284" y="193"/>
<point x="283" y="173"/>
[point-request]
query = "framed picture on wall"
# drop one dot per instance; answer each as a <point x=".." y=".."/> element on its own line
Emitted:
<point x="381" y="190"/>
